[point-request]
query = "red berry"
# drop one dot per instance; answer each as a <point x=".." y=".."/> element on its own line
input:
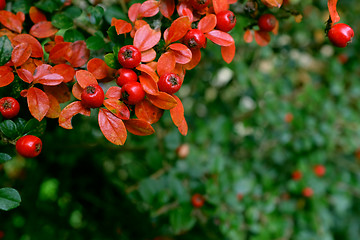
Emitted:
<point x="340" y="35"/>
<point x="9" y="107"/>
<point x="125" y="75"/>
<point x="169" y="83"/>
<point x="267" y="22"/>
<point x="2" y="234"/>
<point x="199" y="4"/>
<point x="226" y="20"/>
<point x="197" y="200"/>
<point x="2" y="4"/>
<point x="296" y="175"/>
<point x="288" y="117"/>
<point x="319" y="170"/>
<point x="183" y="150"/>
<point x="29" y="146"/>
<point x="195" y="39"/>
<point x="129" y="56"/>
<point x="307" y="192"/>
<point x="132" y="93"/>
<point x="92" y="96"/>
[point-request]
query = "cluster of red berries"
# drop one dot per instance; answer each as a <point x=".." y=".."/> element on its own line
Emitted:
<point x="319" y="170"/>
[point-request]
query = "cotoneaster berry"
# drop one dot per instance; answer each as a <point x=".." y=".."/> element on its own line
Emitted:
<point x="226" y="20"/>
<point x="129" y="56"/>
<point x="267" y="22"/>
<point x="307" y="192"/>
<point x="9" y="107"/>
<point x="197" y="200"/>
<point x="125" y="75"/>
<point x="29" y="146"/>
<point x="340" y="35"/>
<point x="92" y="96"/>
<point x="296" y="175"/>
<point x="199" y="4"/>
<point x="2" y="4"/>
<point x="169" y="83"/>
<point x="132" y="93"/>
<point x="195" y="39"/>
<point x="319" y="170"/>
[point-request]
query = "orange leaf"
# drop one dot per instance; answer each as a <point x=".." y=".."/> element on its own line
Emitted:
<point x="21" y="54"/>
<point x="66" y="71"/>
<point x="248" y="36"/>
<point x="167" y="8"/>
<point x="178" y="29"/>
<point x="11" y="21"/>
<point x="8" y="33"/>
<point x="58" y="52"/>
<point x="228" y="53"/>
<point x="25" y="75"/>
<point x="148" y="112"/>
<point x="20" y="16"/>
<point x="146" y="38"/>
<point x="177" y="113"/>
<point x="207" y="23"/>
<point x="182" y="53"/>
<point x="54" y="110"/>
<point x="272" y="3"/>
<point x="77" y="54"/>
<point x="183" y="10"/>
<point x="118" y="108"/>
<point x="70" y="111"/>
<point x="149" y="8"/>
<point x="134" y="11"/>
<point x="166" y="63"/>
<point x="183" y="128"/>
<point x="38" y="103"/>
<point x="275" y="31"/>
<point x="43" y="29"/>
<point x="77" y="90"/>
<point x="220" y="38"/>
<point x="149" y="71"/>
<point x="196" y="57"/>
<point x="36" y="15"/>
<point x="148" y="84"/>
<point x="148" y="55"/>
<point x="122" y="26"/>
<point x="262" y="38"/>
<point x="112" y="127"/>
<point x="61" y="92"/>
<point x="36" y="48"/>
<point x="51" y="79"/>
<point x="220" y="5"/>
<point x="139" y="127"/>
<point x="98" y="68"/>
<point x="113" y="92"/>
<point x="162" y="100"/>
<point x="85" y="78"/>
<point x="332" y="11"/>
<point x="6" y="76"/>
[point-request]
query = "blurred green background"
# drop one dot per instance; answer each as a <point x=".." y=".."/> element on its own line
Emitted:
<point x="243" y="148"/>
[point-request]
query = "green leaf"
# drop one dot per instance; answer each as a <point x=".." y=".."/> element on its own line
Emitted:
<point x="34" y="127"/>
<point x="21" y="6"/>
<point x="5" y="50"/>
<point x="73" y="12"/>
<point x="49" y="5"/>
<point x="20" y="124"/>
<point x="9" y="199"/>
<point x="4" y="157"/>
<point x="62" y="21"/>
<point x="114" y="11"/>
<point x="95" y="43"/>
<point x="112" y="61"/>
<point x="96" y="14"/>
<point x="148" y="188"/>
<point x="73" y="35"/>
<point x="181" y="219"/>
<point x="9" y="129"/>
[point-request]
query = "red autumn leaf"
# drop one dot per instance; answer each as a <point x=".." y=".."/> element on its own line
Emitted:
<point x="38" y="103"/>
<point x="118" y="108"/>
<point x="134" y="11"/>
<point x="220" y="38"/>
<point x="65" y="70"/>
<point x="162" y="100"/>
<point x="207" y="23"/>
<point x="112" y="127"/>
<point x="122" y="26"/>
<point x="149" y="71"/>
<point x="182" y="53"/>
<point x="6" y="76"/>
<point x="146" y="38"/>
<point x="220" y="5"/>
<point x="77" y="54"/>
<point x="178" y="29"/>
<point x="167" y="8"/>
<point x="275" y="31"/>
<point x="85" y="78"/>
<point x="148" y="55"/>
<point x="77" y="90"/>
<point x="148" y="84"/>
<point x="272" y="3"/>
<point x="139" y="127"/>
<point x="98" y="68"/>
<point x="149" y="8"/>
<point x="248" y="36"/>
<point x="36" y="15"/>
<point x="196" y="57"/>
<point x="61" y="92"/>
<point x="166" y="63"/>
<point x="113" y="92"/>
<point x="11" y="21"/>
<point x="36" y="48"/>
<point x="21" y="16"/>
<point x="232" y="1"/>
<point x="183" y="128"/>
<point x="228" y="53"/>
<point x="332" y="11"/>
<point x="70" y="111"/>
<point x="25" y="75"/>
<point x="54" y="110"/>
<point x="51" y="79"/>
<point x="262" y="38"/>
<point x="148" y="112"/>
<point x="43" y="29"/>
<point x="58" y="52"/>
<point x="183" y="10"/>
<point x="21" y="54"/>
<point x="177" y="113"/>
<point x="59" y="39"/>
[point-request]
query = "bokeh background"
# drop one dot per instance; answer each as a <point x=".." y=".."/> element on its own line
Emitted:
<point x="286" y="107"/>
